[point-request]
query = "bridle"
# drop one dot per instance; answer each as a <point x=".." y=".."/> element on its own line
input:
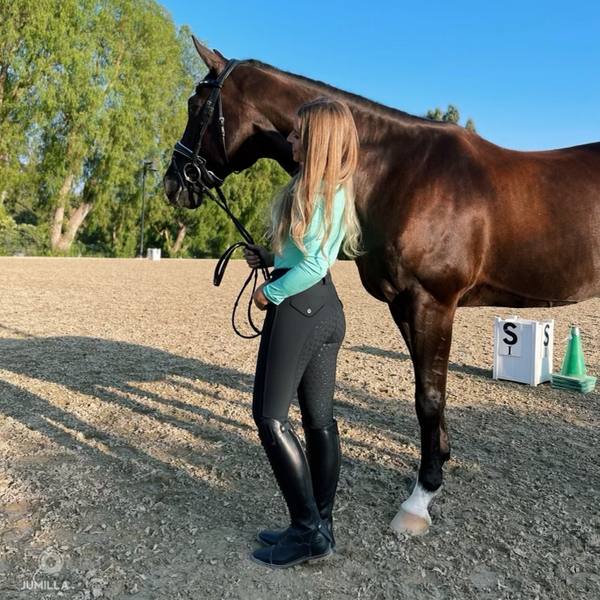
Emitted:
<point x="196" y="177"/>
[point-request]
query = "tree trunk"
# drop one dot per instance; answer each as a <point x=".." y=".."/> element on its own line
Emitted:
<point x="179" y="240"/>
<point x="3" y="70"/>
<point x="59" y="213"/>
<point x="164" y="233"/>
<point x="66" y="239"/>
<point x="61" y="234"/>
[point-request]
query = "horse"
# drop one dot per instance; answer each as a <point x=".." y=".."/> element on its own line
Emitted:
<point x="448" y="219"/>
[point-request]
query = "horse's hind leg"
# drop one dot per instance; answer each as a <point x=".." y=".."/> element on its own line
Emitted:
<point x="430" y="330"/>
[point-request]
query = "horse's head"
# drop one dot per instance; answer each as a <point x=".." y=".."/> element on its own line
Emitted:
<point x="201" y="160"/>
<point x="224" y="132"/>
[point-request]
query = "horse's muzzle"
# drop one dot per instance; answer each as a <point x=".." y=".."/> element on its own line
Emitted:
<point x="177" y="192"/>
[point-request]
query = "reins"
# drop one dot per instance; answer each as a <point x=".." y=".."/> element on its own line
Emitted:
<point x="196" y="177"/>
<point x="224" y="261"/>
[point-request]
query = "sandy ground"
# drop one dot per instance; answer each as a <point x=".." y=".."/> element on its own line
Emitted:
<point x="130" y="467"/>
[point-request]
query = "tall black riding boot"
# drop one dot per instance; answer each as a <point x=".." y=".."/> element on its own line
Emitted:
<point x="306" y="538"/>
<point x="324" y="459"/>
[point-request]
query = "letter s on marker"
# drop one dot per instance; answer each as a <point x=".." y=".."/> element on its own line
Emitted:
<point x="513" y="336"/>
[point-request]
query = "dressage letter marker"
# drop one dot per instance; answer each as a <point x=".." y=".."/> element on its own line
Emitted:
<point x="523" y="350"/>
<point x="153" y="253"/>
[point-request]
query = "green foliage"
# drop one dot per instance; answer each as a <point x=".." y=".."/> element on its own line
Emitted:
<point x="89" y="89"/>
<point x="21" y="238"/>
<point x="450" y="116"/>
<point x="435" y="115"/>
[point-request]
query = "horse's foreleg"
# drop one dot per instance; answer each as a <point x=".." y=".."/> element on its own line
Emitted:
<point x="399" y="315"/>
<point x="430" y="330"/>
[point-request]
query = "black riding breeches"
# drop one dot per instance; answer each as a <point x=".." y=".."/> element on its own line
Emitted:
<point x="298" y="351"/>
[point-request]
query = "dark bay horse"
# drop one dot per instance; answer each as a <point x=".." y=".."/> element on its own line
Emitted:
<point x="448" y="219"/>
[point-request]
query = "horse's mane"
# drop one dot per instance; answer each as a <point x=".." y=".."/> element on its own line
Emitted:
<point x="361" y="101"/>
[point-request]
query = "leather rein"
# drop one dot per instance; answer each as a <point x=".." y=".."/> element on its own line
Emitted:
<point x="197" y="178"/>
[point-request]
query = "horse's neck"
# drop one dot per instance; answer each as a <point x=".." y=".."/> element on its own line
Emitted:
<point x="287" y="93"/>
<point x="386" y="139"/>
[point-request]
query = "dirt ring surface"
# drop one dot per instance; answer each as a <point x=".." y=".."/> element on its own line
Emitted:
<point x="130" y="467"/>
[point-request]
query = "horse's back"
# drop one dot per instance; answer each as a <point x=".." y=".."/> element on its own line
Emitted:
<point x="491" y="226"/>
<point x="543" y="226"/>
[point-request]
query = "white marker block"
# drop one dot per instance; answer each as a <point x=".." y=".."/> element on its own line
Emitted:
<point x="523" y="350"/>
<point x="153" y="253"/>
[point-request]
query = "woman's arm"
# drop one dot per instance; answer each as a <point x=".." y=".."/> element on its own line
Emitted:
<point x="313" y="267"/>
<point x="304" y="275"/>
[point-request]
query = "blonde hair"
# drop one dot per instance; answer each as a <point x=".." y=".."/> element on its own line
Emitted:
<point x="330" y="142"/>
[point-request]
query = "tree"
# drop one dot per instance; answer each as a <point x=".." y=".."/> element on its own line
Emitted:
<point x="111" y="103"/>
<point x="89" y="89"/>
<point x="28" y="32"/>
<point x="113" y="227"/>
<point x="450" y="116"/>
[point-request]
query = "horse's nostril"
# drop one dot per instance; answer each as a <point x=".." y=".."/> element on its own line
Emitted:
<point x="171" y="187"/>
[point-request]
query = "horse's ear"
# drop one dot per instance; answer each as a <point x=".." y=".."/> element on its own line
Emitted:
<point x="214" y="61"/>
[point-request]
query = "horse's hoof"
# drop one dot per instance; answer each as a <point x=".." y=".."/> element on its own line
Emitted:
<point x="410" y="524"/>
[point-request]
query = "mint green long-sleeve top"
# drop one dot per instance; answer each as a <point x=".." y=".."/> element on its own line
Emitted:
<point x="306" y="270"/>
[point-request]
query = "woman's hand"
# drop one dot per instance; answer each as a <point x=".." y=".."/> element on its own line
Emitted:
<point x="260" y="300"/>
<point x="257" y="257"/>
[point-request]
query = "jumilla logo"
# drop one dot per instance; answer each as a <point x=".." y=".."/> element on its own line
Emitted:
<point x="50" y="562"/>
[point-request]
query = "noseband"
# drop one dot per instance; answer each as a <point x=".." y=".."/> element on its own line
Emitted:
<point x="194" y="175"/>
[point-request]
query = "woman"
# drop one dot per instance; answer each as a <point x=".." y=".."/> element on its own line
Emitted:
<point x="304" y="329"/>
